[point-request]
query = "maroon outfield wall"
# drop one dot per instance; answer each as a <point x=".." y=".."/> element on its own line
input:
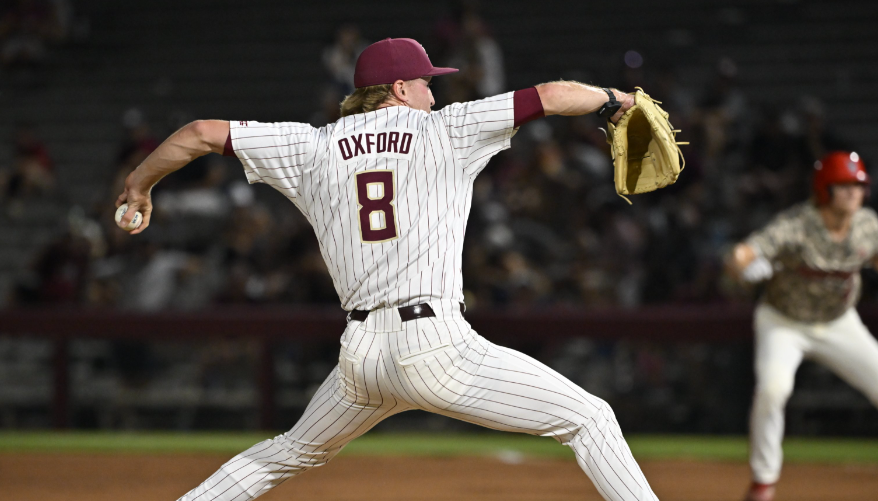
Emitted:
<point x="269" y="325"/>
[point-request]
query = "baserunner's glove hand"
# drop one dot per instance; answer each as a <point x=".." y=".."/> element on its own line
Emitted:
<point x="758" y="270"/>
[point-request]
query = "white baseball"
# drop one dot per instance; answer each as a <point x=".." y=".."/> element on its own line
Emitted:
<point x="135" y="222"/>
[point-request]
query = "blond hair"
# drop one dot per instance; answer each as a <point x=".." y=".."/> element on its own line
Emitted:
<point x="366" y="99"/>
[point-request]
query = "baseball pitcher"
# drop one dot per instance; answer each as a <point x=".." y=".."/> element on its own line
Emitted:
<point x="387" y="189"/>
<point x="811" y="256"/>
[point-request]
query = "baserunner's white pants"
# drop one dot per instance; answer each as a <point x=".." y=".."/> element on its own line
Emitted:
<point x="844" y="345"/>
<point x="439" y="365"/>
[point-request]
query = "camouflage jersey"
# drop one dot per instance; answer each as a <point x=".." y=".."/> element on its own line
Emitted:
<point x="816" y="279"/>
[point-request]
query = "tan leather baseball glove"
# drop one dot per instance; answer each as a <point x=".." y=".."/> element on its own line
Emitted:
<point x="646" y="155"/>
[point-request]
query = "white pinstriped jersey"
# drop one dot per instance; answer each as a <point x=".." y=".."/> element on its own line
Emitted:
<point x="388" y="192"/>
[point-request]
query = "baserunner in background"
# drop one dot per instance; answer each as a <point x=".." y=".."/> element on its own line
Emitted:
<point x="811" y="256"/>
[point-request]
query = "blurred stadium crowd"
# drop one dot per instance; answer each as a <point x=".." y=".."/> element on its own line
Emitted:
<point x="546" y="226"/>
<point x="28" y="30"/>
<point x="546" y="230"/>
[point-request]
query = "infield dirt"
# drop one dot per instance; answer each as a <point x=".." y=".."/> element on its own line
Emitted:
<point x="136" y="477"/>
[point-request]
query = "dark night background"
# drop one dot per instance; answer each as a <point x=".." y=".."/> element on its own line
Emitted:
<point x="101" y="329"/>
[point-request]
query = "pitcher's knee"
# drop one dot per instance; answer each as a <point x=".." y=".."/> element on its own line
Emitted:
<point x="305" y="455"/>
<point x="607" y="410"/>
<point x="592" y="416"/>
<point x="599" y="409"/>
<point x="601" y="416"/>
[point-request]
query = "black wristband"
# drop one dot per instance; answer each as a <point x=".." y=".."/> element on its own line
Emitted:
<point x="610" y="107"/>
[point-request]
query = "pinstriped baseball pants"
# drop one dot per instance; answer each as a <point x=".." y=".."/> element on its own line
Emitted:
<point x="440" y="365"/>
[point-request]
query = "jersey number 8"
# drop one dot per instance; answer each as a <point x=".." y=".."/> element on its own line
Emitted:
<point x="377" y="215"/>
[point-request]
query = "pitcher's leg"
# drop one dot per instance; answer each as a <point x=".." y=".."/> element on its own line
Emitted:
<point x="476" y="381"/>
<point x="333" y="418"/>
<point x="779" y="352"/>
<point x="850" y="350"/>
<point x="604" y="456"/>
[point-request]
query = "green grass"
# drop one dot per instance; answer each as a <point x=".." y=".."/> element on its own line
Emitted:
<point x="656" y="447"/>
<point x="805" y="450"/>
<point x="145" y="442"/>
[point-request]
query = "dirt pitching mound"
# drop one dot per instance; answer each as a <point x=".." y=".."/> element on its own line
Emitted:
<point x="109" y="477"/>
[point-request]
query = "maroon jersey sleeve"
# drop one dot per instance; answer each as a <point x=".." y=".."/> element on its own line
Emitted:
<point x="528" y="106"/>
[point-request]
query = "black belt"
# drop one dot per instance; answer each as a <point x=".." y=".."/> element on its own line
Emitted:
<point x="406" y="313"/>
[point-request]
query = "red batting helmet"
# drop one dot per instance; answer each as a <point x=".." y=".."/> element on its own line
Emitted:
<point x="836" y="168"/>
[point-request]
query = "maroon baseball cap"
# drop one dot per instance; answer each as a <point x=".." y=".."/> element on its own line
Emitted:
<point x="394" y="59"/>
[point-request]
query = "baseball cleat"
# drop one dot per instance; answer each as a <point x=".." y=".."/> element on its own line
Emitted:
<point x="760" y="492"/>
